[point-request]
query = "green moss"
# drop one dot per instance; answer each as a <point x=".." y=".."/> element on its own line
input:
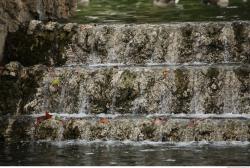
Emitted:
<point x="239" y="35"/>
<point x="211" y="106"/>
<point x="48" y="129"/>
<point x="186" y="50"/>
<point x="148" y="131"/>
<point x="182" y="93"/>
<point x="243" y="75"/>
<point x="71" y="131"/>
<point x="55" y="82"/>
<point x="126" y="92"/>
<point x="215" y="46"/>
<point x="242" y="72"/>
<point x="101" y="98"/>
<point x="181" y="80"/>
<point x="173" y="135"/>
<point x="214" y="31"/>
<point x="212" y="72"/>
<point x="127" y="79"/>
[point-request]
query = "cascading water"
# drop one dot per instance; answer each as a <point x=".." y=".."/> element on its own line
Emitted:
<point x="193" y="90"/>
<point x="84" y="102"/>
<point x="226" y="50"/>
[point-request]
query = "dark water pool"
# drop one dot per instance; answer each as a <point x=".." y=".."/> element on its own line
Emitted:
<point x="111" y="153"/>
<point x="143" y="11"/>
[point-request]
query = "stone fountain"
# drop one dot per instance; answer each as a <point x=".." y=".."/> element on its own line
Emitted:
<point x="175" y="82"/>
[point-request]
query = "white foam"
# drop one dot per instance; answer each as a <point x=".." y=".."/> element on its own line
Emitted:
<point x="201" y="115"/>
<point x="147" y="150"/>
<point x="79" y="115"/>
<point x="170" y="160"/>
<point x="108" y="115"/>
<point x="89" y="153"/>
<point x="149" y="143"/>
<point x="181" y="115"/>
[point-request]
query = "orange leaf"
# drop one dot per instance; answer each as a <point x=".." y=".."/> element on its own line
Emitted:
<point x="165" y="73"/>
<point x="104" y="121"/>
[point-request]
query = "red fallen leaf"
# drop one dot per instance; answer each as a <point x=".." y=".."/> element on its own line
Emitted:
<point x="47" y="115"/>
<point x="43" y="118"/>
<point x="103" y="121"/>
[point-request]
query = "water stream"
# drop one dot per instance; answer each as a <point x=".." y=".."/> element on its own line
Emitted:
<point x="155" y="88"/>
<point x="115" y="153"/>
<point x="143" y="11"/>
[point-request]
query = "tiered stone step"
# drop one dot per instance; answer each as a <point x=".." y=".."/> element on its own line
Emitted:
<point x="174" y="72"/>
<point x="134" y="128"/>
<point x="56" y="44"/>
<point x="204" y="89"/>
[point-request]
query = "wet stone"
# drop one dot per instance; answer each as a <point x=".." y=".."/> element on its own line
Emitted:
<point x="166" y="90"/>
<point x="49" y="130"/>
<point x="59" y="44"/>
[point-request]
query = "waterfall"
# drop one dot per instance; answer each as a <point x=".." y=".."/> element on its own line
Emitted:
<point x="45" y="104"/>
<point x="194" y="105"/>
<point x="226" y="49"/>
<point x="40" y="9"/>
<point x="84" y="101"/>
<point x="61" y="107"/>
<point x="163" y="101"/>
<point x="3" y="34"/>
<point x="181" y="89"/>
<point x="113" y="101"/>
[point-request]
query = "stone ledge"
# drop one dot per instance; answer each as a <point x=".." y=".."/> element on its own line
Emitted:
<point x="213" y="42"/>
<point x="137" y="129"/>
<point x="144" y="90"/>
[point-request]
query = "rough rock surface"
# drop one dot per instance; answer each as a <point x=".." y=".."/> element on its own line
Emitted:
<point x="192" y="43"/>
<point x="18" y="86"/>
<point x="39" y="44"/>
<point x="14" y="12"/>
<point x="3" y="34"/>
<point x="180" y="89"/>
<point x="134" y="129"/>
<point x="171" y="70"/>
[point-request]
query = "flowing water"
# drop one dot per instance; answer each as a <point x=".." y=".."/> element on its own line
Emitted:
<point x="143" y="11"/>
<point x="127" y="153"/>
<point x="77" y="100"/>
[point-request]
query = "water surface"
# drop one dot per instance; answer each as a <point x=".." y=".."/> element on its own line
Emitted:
<point x="116" y="153"/>
<point x="143" y="11"/>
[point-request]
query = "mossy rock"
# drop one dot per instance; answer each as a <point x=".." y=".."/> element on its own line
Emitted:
<point x="212" y="72"/>
<point x="100" y="131"/>
<point x="242" y="73"/>
<point x="42" y="47"/>
<point x="71" y="131"/>
<point x="21" y="128"/>
<point x="126" y="92"/>
<point x="56" y="82"/>
<point x="172" y="135"/>
<point x="49" y="129"/>
<point x="127" y="79"/>
<point x="148" y="130"/>
<point x="182" y="93"/>
<point x="100" y="97"/>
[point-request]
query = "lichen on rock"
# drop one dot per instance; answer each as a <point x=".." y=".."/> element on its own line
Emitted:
<point x="49" y="130"/>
